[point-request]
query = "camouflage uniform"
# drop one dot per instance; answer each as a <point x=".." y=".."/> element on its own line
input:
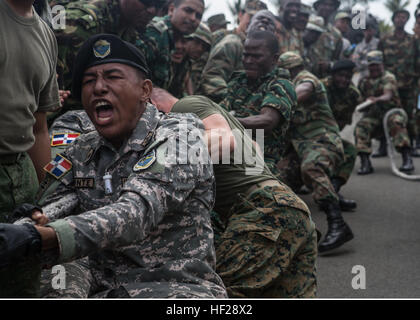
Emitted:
<point x="272" y="90"/>
<point x="327" y="48"/>
<point x="400" y="58"/>
<point x="158" y="47"/>
<point x="225" y="58"/>
<point x="315" y="149"/>
<point x="137" y="243"/>
<point x="289" y="40"/>
<point x="84" y="19"/>
<point x="343" y="105"/>
<point x="66" y="129"/>
<point x="203" y="34"/>
<point x="370" y="126"/>
<point x="266" y="246"/>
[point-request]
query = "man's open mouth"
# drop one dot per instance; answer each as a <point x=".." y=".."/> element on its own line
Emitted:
<point x="104" y="112"/>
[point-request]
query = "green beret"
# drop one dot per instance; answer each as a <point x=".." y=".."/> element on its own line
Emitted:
<point x="102" y="49"/>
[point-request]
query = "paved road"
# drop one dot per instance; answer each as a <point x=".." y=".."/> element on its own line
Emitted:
<point x="387" y="238"/>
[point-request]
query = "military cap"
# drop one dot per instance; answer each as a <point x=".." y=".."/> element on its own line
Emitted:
<point x="202" y="33"/>
<point x="337" y="3"/>
<point x="253" y="6"/>
<point x="290" y="60"/>
<point x="342" y="15"/>
<point x="375" y="57"/>
<point x="343" y="65"/>
<point x="217" y="20"/>
<point x="101" y="49"/>
<point x="400" y="11"/>
<point x="316" y="23"/>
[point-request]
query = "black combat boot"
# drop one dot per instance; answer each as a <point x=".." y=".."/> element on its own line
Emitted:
<point x="345" y="204"/>
<point x="366" y="165"/>
<point x="414" y="152"/>
<point x="407" y="165"/>
<point x="338" y="231"/>
<point x="382" y="151"/>
<point x="418" y="142"/>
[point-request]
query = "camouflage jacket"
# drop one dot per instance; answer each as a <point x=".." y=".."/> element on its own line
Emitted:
<point x="313" y="118"/>
<point x="225" y="58"/>
<point x="151" y="233"/>
<point x="83" y="20"/>
<point x="400" y="58"/>
<point x="158" y="46"/>
<point x="342" y="102"/>
<point x="289" y="40"/>
<point x="374" y="88"/>
<point x="273" y="90"/>
<point x="328" y="47"/>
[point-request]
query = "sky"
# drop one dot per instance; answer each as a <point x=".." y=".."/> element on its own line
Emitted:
<point x="376" y="7"/>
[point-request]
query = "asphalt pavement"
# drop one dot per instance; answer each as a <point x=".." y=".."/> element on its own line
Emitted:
<point x="386" y="247"/>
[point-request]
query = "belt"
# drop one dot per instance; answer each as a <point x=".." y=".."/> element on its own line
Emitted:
<point x="261" y="185"/>
<point x="10" y="158"/>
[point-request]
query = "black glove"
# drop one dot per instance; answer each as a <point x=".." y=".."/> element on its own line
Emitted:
<point x="25" y="211"/>
<point x="18" y="242"/>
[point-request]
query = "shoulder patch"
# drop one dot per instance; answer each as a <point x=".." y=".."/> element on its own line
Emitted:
<point x="58" y="167"/>
<point x="145" y="162"/>
<point x="63" y="139"/>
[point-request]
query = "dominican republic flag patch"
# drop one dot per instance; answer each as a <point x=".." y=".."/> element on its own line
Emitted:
<point x="63" y="139"/>
<point x="58" y="167"/>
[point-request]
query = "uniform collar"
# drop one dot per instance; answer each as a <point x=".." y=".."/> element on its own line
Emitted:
<point x="141" y="137"/>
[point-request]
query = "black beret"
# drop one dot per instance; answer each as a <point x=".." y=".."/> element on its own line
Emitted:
<point x="343" y="65"/>
<point x="101" y="49"/>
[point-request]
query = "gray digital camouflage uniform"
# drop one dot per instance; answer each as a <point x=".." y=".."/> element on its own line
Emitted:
<point x="150" y="237"/>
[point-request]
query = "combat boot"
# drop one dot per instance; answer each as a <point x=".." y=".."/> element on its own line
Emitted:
<point x="382" y="151"/>
<point x="418" y="142"/>
<point x="414" y="152"/>
<point x="407" y="165"/>
<point x="345" y="204"/>
<point x="338" y="231"/>
<point x="366" y="165"/>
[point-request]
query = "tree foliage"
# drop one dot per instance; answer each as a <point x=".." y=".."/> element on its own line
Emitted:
<point x="393" y="5"/>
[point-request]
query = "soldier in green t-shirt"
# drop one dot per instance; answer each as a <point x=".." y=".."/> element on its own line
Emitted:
<point x="315" y="149"/>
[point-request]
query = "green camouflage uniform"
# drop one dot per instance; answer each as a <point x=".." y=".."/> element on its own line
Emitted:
<point x="343" y="103"/>
<point x="327" y="48"/>
<point x="83" y="20"/>
<point x="370" y="126"/>
<point x="158" y="46"/>
<point x="225" y="58"/>
<point x="272" y="90"/>
<point x="316" y="149"/>
<point x="267" y="243"/>
<point x="152" y="236"/>
<point x="290" y="40"/>
<point x="400" y="58"/>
